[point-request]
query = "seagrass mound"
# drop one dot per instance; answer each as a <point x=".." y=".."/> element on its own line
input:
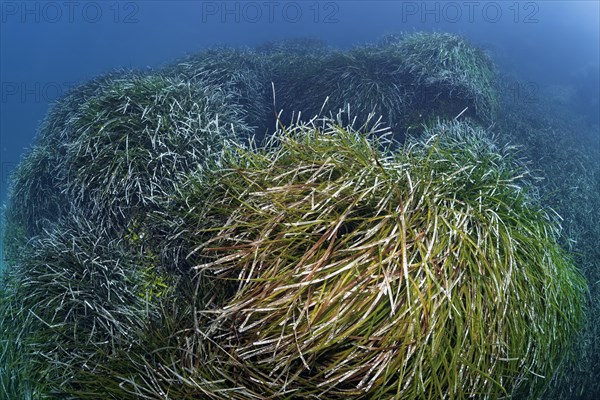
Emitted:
<point x="566" y="155"/>
<point x="328" y="264"/>
<point x="35" y="190"/>
<point x="407" y="80"/>
<point x="137" y="135"/>
<point x="157" y="247"/>
<point x="119" y="148"/>
<point x="75" y="300"/>
<point x="451" y="74"/>
<point x="242" y="73"/>
<point x="367" y="80"/>
<point x="343" y="270"/>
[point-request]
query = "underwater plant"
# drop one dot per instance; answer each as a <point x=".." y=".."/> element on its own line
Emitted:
<point x="105" y="153"/>
<point x="328" y="264"/>
<point x="136" y="136"/>
<point x="75" y="300"/>
<point x="33" y="201"/>
<point x="154" y="252"/>
<point x="450" y="73"/>
<point x="406" y="79"/>
<point x="35" y="196"/>
<point x="293" y="66"/>
<point x="365" y="79"/>
<point x="340" y="269"/>
<point x="113" y="145"/>
<point x="566" y="154"/>
<point x="241" y="73"/>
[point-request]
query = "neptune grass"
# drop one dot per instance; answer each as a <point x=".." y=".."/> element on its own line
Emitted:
<point x="241" y="73"/>
<point x="136" y="136"/>
<point x="341" y="270"/>
<point x="75" y="300"/>
<point x="447" y="65"/>
<point x="325" y="263"/>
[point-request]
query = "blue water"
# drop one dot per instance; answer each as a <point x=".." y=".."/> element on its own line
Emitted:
<point x="47" y="47"/>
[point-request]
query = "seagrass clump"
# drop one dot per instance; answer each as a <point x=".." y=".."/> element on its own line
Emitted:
<point x="35" y="197"/>
<point x="365" y="79"/>
<point x="407" y="79"/>
<point x="450" y="73"/>
<point x="293" y="67"/>
<point x="152" y="254"/>
<point x="242" y="73"/>
<point x="32" y="202"/>
<point x="76" y="300"/>
<point x="341" y="269"/>
<point x="137" y="136"/>
<point x="566" y="155"/>
<point x="112" y="146"/>
<point x="370" y="80"/>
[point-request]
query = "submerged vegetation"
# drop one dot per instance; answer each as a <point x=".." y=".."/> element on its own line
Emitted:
<point x="565" y="153"/>
<point x="350" y="272"/>
<point x="448" y="68"/>
<point x="173" y="236"/>
<point x="404" y="79"/>
<point x="134" y="138"/>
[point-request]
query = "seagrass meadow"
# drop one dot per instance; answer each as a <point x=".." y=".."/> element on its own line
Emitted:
<point x="295" y="221"/>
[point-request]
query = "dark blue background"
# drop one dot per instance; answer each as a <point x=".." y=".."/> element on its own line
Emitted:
<point x="48" y="46"/>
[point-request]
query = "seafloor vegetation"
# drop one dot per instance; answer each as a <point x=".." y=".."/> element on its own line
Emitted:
<point x="295" y="222"/>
